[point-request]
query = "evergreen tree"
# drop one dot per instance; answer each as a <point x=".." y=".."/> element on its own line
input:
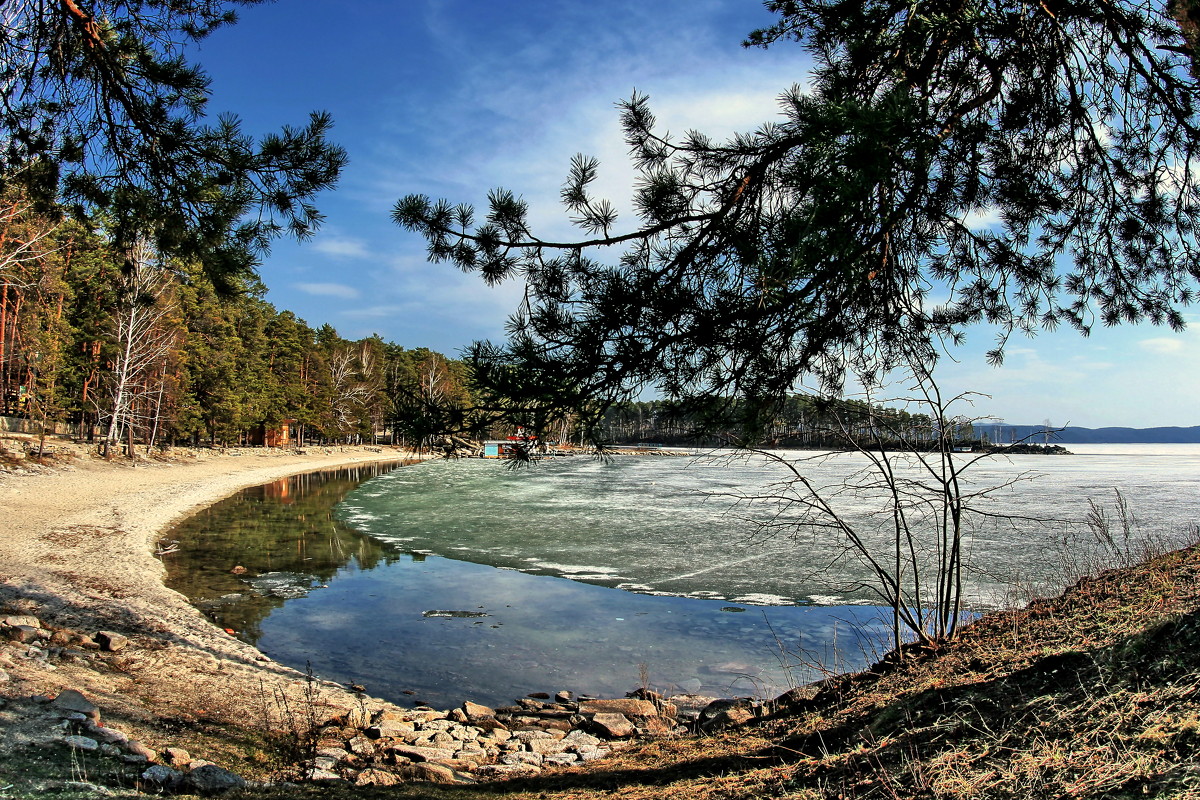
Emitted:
<point x="849" y="235"/>
<point x="100" y="109"/>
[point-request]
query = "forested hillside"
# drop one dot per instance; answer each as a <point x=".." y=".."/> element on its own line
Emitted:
<point x="127" y="348"/>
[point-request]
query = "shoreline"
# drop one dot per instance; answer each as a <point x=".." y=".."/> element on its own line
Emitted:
<point x="77" y="550"/>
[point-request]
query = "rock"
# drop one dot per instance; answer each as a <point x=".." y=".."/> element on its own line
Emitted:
<point x="489" y="724"/>
<point x="327" y="763"/>
<point x="376" y="777"/>
<point x="136" y="748"/>
<point x="547" y="746"/>
<point x="438" y="773"/>
<point x="419" y="754"/>
<point x="23" y="633"/>
<point x="81" y="743"/>
<point x="438" y="725"/>
<point x="614" y="726"/>
<point x="163" y="777"/>
<point x="587" y="752"/>
<point x="111" y="641"/>
<point x="472" y="757"/>
<point x="628" y="706"/>
<point x="211" y="779"/>
<point x="316" y="774"/>
<point x="473" y="710"/>
<point x="336" y="753"/>
<point x="389" y="730"/>
<point x="109" y="735"/>
<point x="17" y="621"/>
<point x="561" y="759"/>
<point x="562" y="697"/>
<point x="522" y="757"/>
<point x="73" y="702"/>
<point x="508" y="770"/>
<point x="361" y="746"/>
<point x="726" y="713"/>
<point x="389" y="715"/>
<point x="4" y="677"/>
<point x="177" y="757"/>
<point x="578" y="738"/>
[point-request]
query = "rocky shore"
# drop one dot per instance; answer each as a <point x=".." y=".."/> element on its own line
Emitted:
<point x="345" y="738"/>
<point x="101" y="665"/>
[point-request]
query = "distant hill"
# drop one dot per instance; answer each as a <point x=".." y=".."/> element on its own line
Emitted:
<point x="1000" y="433"/>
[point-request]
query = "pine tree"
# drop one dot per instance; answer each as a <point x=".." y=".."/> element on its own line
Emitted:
<point x="851" y="234"/>
<point x="99" y="109"/>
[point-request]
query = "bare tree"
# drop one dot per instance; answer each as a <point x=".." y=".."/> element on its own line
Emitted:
<point x="355" y="386"/>
<point x="145" y="340"/>
<point x="906" y="513"/>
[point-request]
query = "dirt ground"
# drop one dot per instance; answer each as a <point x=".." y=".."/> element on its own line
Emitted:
<point x="77" y="551"/>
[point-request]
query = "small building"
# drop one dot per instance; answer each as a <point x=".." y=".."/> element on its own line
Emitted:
<point x="504" y="448"/>
<point x="278" y="436"/>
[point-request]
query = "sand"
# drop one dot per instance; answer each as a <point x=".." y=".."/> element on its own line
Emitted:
<point x="77" y="550"/>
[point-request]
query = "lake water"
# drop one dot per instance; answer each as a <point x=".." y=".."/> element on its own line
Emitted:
<point x="453" y="580"/>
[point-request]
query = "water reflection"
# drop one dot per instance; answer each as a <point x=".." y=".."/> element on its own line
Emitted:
<point x="241" y="558"/>
<point x="274" y="565"/>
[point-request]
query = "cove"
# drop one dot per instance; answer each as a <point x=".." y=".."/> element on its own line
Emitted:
<point x="285" y="570"/>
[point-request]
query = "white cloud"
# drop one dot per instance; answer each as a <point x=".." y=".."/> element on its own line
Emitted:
<point x="329" y="290"/>
<point x="340" y="247"/>
<point x="1161" y="345"/>
<point x="982" y="218"/>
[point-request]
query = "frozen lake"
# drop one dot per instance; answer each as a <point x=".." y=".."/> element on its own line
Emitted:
<point x="454" y="580"/>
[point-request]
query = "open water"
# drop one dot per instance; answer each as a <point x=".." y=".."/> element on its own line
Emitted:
<point x="452" y="580"/>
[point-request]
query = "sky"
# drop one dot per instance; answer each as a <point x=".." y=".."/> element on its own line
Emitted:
<point x="452" y="98"/>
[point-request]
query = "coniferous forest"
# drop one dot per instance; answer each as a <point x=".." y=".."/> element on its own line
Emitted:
<point x="127" y="348"/>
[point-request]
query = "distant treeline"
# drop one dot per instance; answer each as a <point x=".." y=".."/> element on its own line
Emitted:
<point x="803" y="421"/>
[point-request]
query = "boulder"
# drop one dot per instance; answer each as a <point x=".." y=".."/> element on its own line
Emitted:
<point x="24" y="634"/>
<point x="547" y="746"/>
<point x="439" y="773"/>
<point x="613" y="726"/>
<point x="163" y="777"/>
<point x="376" y="777"/>
<point x="177" y="757"/>
<point x="474" y="710"/>
<point x="211" y="779"/>
<point x="136" y="748"/>
<point x="419" y="754"/>
<point x="629" y="706"/>
<point x="70" y="701"/>
<point x="111" y="641"/>
<point x="726" y="713"/>
<point x="81" y="743"/>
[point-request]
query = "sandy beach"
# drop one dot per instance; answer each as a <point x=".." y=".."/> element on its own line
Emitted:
<point x="77" y="550"/>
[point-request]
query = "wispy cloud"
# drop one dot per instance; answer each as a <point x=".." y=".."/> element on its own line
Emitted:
<point x="341" y="246"/>
<point x="329" y="290"/>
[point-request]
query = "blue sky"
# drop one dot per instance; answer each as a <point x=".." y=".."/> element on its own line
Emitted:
<point x="452" y="98"/>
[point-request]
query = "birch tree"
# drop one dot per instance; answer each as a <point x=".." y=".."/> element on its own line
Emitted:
<point x="144" y="338"/>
